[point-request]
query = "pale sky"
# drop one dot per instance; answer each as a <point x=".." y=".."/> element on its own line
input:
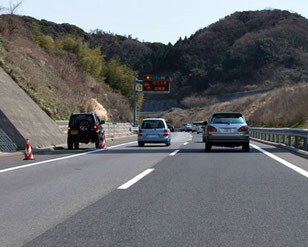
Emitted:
<point x="154" y="21"/>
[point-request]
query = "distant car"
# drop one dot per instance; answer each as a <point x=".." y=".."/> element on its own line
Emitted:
<point x="171" y="127"/>
<point x="194" y="127"/>
<point x="197" y="127"/>
<point x="84" y="128"/>
<point x="154" y="130"/>
<point x="227" y="129"/>
<point x="186" y="127"/>
<point x="200" y="127"/>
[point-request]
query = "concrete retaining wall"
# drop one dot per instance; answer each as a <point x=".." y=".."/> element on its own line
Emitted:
<point x="21" y="117"/>
<point x="6" y="144"/>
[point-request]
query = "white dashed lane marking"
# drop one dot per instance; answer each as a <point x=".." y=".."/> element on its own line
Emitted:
<point x="174" y="153"/>
<point x="135" y="179"/>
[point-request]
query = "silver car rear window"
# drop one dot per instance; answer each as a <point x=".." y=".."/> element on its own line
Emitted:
<point x="228" y="118"/>
<point x="152" y="124"/>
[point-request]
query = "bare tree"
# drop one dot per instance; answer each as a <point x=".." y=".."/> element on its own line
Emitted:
<point x="14" y="6"/>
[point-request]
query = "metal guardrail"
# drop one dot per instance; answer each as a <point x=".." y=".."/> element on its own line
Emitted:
<point x="296" y="138"/>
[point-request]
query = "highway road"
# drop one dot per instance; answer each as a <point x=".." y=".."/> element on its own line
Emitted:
<point x="155" y="196"/>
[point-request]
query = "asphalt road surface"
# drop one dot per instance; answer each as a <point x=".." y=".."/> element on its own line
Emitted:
<point x="155" y="196"/>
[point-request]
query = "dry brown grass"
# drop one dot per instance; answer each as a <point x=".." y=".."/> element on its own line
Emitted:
<point x="285" y="107"/>
<point x="197" y="101"/>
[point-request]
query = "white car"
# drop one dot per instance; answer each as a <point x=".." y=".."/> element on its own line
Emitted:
<point x="197" y="127"/>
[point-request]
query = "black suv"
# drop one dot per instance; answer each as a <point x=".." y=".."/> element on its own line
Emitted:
<point x="84" y="128"/>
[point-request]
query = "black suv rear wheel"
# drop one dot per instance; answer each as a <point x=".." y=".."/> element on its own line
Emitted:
<point x="84" y="125"/>
<point x="69" y="142"/>
<point x="76" y="145"/>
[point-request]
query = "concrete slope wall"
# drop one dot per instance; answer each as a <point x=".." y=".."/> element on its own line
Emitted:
<point x="21" y="117"/>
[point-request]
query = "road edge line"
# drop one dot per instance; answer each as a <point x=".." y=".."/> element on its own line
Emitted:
<point x="61" y="158"/>
<point x="282" y="161"/>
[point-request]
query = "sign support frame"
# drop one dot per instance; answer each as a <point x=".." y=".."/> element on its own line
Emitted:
<point x="135" y="99"/>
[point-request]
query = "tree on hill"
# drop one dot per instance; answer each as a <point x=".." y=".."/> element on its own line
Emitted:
<point x="12" y="8"/>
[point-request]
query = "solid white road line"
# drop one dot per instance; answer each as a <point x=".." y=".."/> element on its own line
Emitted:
<point x="174" y="153"/>
<point x="185" y="143"/>
<point x="135" y="179"/>
<point x="62" y="158"/>
<point x="282" y="161"/>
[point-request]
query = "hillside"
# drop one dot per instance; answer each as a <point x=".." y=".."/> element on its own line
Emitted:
<point x="243" y="51"/>
<point x="63" y="67"/>
<point x="64" y="75"/>
<point x="283" y="107"/>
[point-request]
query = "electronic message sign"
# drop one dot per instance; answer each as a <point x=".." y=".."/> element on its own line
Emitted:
<point x="156" y="84"/>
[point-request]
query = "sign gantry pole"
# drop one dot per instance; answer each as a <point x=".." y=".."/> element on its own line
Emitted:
<point x="135" y="99"/>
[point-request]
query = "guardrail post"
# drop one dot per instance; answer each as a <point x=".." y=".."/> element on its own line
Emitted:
<point x="290" y="140"/>
<point x="278" y="138"/>
<point x="305" y="144"/>
<point x="284" y="139"/>
<point x="296" y="142"/>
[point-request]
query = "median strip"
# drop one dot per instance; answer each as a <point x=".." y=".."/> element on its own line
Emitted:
<point x="282" y="161"/>
<point x="62" y="158"/>
<point x="174" y="152"/>
<point x="135" y="179"/>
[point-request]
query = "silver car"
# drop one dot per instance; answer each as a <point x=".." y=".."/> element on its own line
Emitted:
<point x="227" y="129"/>
<point x="186" y="127"/>
<point x="154" y="130"/>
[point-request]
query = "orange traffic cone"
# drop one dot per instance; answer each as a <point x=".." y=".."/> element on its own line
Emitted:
<point x="103" y="143"/>
<point x="28" y="151"/>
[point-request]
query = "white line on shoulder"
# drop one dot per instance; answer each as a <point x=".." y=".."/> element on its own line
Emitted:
<point x="282" y="161"/>
<point x="62" y="158"/>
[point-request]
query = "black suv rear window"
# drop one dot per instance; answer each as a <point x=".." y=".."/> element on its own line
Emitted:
<point x="75" y="119"/>
<point x="152" y="124"/>
<point x="228" y="118"/>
